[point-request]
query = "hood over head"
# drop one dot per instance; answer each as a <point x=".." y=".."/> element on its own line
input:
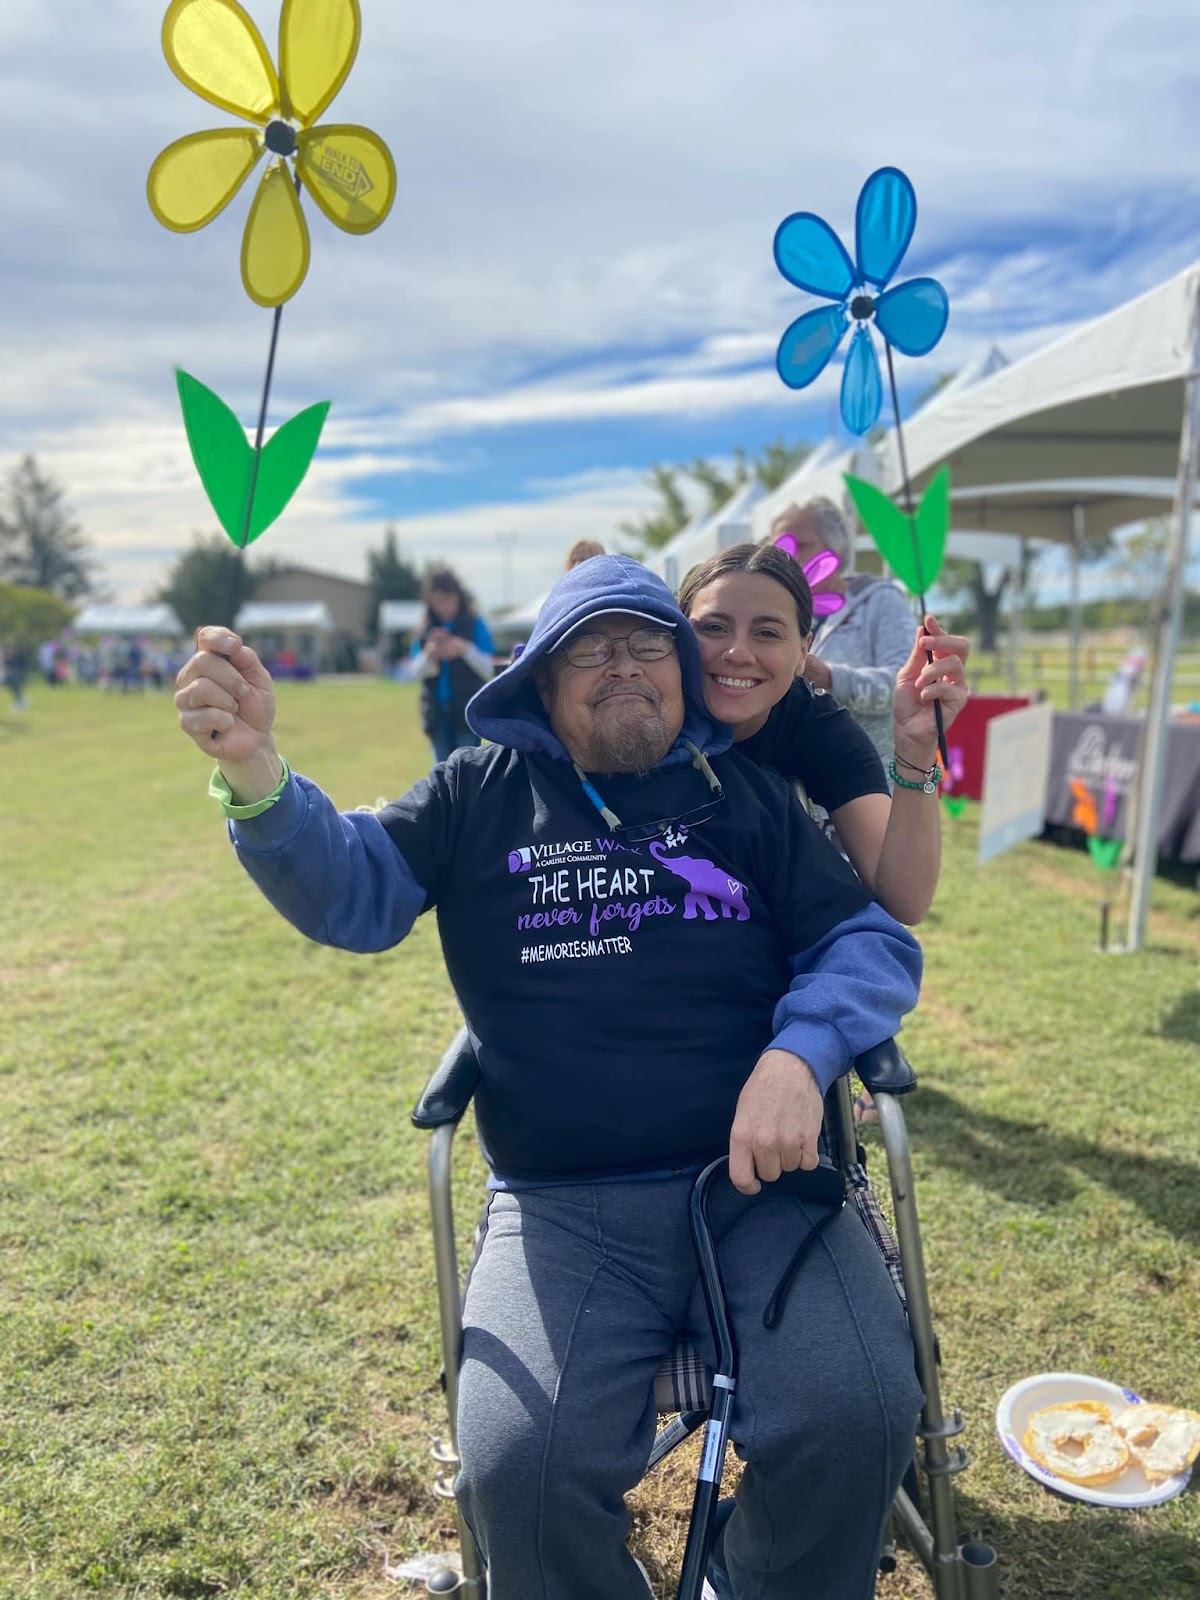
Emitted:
<point x="509" y="711"/>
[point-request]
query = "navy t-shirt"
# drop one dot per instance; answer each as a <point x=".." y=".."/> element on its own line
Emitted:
<point x="624" y="953"/>
<point x="812" y="738"/>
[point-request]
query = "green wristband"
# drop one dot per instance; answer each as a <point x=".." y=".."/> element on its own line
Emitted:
<point x="218" y="788"/>
<point x="932" y="778"/>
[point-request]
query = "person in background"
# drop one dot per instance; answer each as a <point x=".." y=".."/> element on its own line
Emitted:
<point x="454" y="657"/>
<point x="16" y="670"/>
<point x="583" y="550"/>
<point x="858" y="651"/>
<point x="47" y="651"/>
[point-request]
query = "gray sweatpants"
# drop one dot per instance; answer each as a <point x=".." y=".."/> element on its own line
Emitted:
<point x="575" y="1296"/>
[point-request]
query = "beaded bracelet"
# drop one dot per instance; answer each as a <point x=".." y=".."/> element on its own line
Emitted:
<point x="933" y="777"/>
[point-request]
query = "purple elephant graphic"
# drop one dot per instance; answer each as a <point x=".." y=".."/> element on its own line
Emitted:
<point x="706" y="884"/>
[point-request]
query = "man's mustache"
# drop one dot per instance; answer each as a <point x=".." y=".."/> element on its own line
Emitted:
<point x="629" y="686"/>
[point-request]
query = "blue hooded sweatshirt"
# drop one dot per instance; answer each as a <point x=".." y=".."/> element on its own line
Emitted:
<point x="618" y="983"/>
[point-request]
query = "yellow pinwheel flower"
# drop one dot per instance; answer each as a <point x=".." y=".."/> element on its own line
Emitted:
<point x="214" y="48"/>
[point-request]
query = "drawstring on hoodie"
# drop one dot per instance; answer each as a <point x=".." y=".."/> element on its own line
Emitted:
<point x="699" y="761"/>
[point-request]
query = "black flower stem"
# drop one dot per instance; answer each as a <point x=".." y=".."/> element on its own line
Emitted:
<point x="262" y="423"/>
<point x="910" y="513"/>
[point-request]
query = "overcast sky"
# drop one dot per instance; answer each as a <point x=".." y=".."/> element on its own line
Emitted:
<point x="576" y="279"/>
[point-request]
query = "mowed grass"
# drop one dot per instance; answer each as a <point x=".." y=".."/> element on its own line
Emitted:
<point x="218" y="1364"/>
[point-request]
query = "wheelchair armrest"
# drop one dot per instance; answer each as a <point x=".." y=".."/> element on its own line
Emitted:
<point x="884" y="1070"/>
<point x="448" y="1093"/>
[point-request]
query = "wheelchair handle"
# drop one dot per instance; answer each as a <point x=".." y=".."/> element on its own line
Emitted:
<point x="448" y="1093"/>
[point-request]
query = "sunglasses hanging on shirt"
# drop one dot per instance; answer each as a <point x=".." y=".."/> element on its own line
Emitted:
<point x="672" y="830"/>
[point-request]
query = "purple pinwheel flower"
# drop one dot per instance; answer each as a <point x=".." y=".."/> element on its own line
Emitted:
<point x="911" y="317"/>
<point x="823" y="565"/>
<point x="956" y="770"/>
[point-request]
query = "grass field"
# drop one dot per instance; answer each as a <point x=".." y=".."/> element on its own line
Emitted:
<point x="1045" y="665"/>
<point x="217" y="1320"/>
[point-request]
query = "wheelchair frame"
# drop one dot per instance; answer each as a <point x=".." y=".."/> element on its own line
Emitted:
<point x="966" y="1571"/>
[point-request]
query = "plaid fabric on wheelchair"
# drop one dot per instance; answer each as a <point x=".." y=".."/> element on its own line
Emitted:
<point x="681" y="1382"/>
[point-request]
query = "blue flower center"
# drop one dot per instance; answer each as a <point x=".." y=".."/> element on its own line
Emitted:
<point x="862" y="307"/>
<point x="280" y="138"/>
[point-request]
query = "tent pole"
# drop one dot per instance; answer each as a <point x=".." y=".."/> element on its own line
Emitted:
<point x="1076" y="614"/>
<point x="1016" y="624"/>
<point x="1170" y="617"/>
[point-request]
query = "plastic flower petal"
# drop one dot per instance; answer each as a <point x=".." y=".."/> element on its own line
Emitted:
<point x="275" y="248"/>
<point x="214" y="48"/>
<point x="810" y="255"/>
<point x="883" y="225"/>
<point x="350" y="174"/>
<point x="862" y="388"/>
<point x="806" y="346"/>
<point x="318" y="41"/>
<point x="197" y="176"/>
<point x="911" y="317"/>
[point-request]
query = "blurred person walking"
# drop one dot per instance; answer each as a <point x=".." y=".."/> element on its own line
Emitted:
<point x="454" y="657"/>
<point x="16" y="670"/>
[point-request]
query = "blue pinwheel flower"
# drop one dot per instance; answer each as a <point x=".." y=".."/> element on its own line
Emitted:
<point x="911" y="317"/>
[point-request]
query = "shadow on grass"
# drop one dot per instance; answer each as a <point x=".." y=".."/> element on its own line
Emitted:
<point x="1028" y="1163"/>
<point x="1093" y="1554"/>
<point x="1183" y="1020"/>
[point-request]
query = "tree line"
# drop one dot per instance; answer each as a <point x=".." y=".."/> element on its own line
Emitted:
<point x="46" y="563"/>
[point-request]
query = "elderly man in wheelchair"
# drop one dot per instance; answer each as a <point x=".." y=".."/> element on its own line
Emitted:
<point x="660" y="960"/>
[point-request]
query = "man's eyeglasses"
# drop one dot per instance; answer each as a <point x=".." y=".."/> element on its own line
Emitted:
<point x="594" y="649"/>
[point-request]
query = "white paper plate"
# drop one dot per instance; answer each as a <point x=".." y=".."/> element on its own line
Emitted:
<point x="1132" y="1489"/>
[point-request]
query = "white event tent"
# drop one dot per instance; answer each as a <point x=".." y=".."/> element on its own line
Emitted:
<point x="707" y="533"/>
<point x="152" y="621"/>
<point x="1107" y="409"/>
<point x="821" y="474"/>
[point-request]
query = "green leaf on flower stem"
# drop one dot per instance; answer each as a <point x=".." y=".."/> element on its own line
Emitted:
<point x="220" y="450"/>
<point x="286" y="457"/>
<point x="916" y="559"/>
<point x="225" y="459"/>
<point x="1105" y="852"/>
<point x="933" y="524"/>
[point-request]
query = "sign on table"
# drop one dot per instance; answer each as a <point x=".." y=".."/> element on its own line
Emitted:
<point x="1015" y="769"/>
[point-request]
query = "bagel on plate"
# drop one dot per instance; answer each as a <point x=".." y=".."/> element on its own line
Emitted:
<point x="1076" y="1440"/>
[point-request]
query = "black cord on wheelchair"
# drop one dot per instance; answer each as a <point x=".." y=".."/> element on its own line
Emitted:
<point x="716" y="1432"/>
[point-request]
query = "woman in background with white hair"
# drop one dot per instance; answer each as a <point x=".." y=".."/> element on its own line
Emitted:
<point x="857" y="651"/>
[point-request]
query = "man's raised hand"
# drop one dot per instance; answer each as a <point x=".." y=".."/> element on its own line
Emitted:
<point x="226" y="704"/>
